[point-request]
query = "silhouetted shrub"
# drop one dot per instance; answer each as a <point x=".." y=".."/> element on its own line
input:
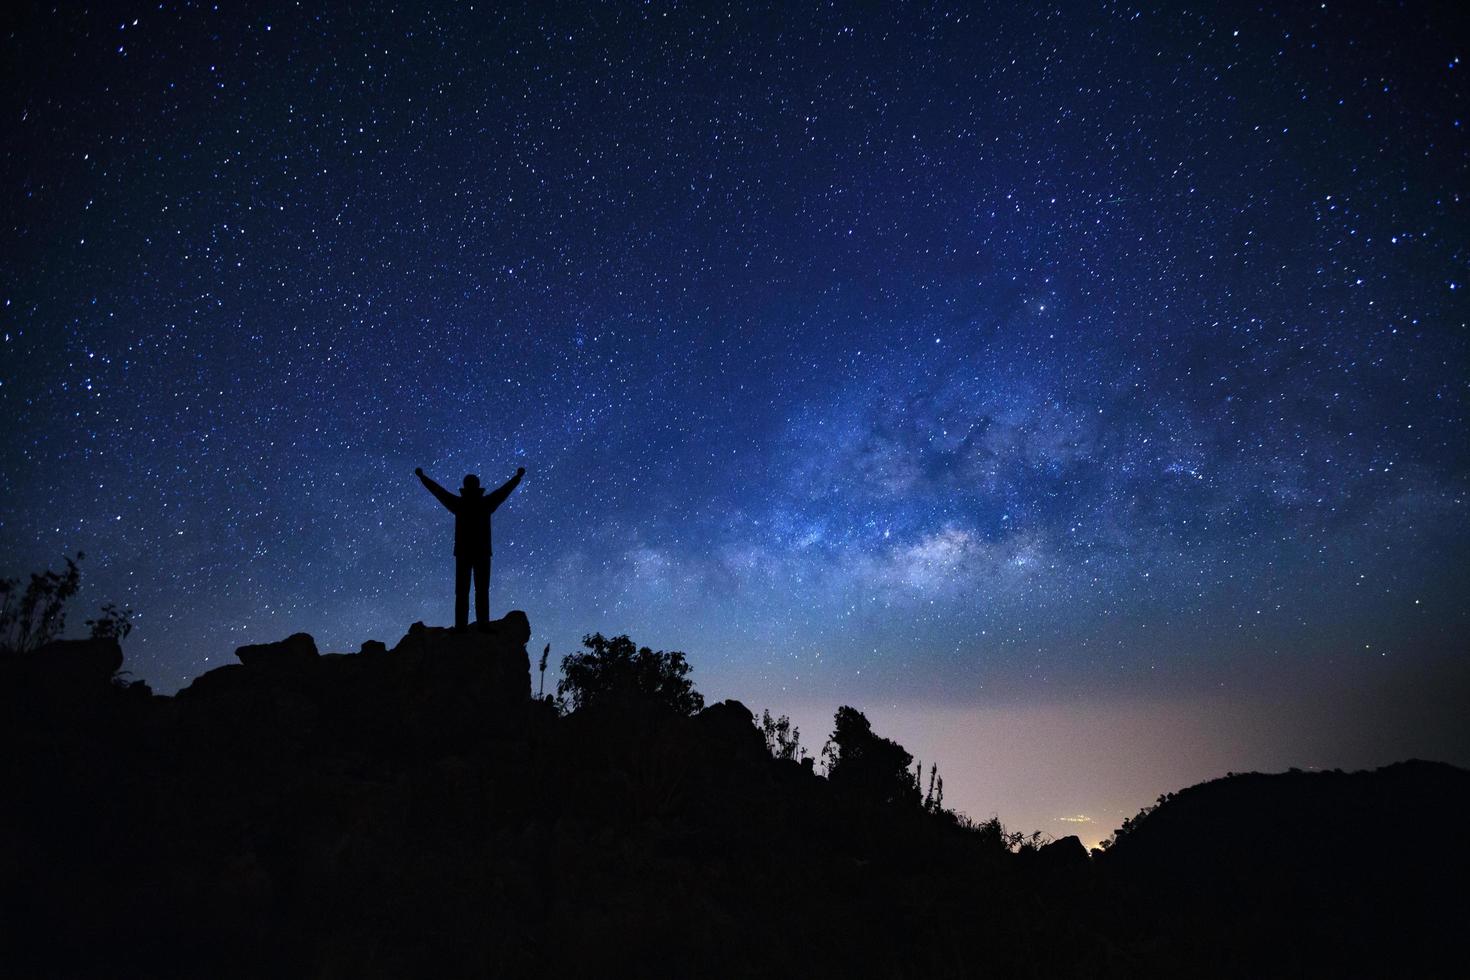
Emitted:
<point x="615" y="670"/>
<point x="993" y="833"/>
<point x="783" y="739"/>
<point x="867" y="764"/>
<point x="545" y="654"/>
<point x="111" y="623"/>
<point x="32" y="618"/>
<point x="934" y="799"/>
<point x="37" y="616"/>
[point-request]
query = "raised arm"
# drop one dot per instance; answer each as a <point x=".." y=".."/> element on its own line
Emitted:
<point x="505" y="489"/>
<point x="445" y="497"/>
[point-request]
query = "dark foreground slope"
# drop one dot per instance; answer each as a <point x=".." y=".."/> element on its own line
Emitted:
<point x="1301" y="870"/>
<point x="414" y="812"/>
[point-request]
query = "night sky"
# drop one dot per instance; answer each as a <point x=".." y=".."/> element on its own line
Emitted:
<point x="1081" y="392"/>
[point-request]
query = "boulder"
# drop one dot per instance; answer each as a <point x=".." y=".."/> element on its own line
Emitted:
<point x="501" y="642"/>
<point x="437" y="689"/>
<point x="731" y="725"/>
<point x="1063" y="854"/>
<point x="295" y="651"/>
<point x="445" y="685"/>
<point x="62" y="678"/>
<point x="514" y="628"/>
<point x="213" y="683"/>
<point x="78" y="663"/>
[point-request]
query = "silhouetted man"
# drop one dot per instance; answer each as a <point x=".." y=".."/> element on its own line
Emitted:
<point x="472" y="510"/>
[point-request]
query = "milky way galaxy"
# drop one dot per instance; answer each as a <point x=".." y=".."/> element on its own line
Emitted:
<point x="1080" y="391"/>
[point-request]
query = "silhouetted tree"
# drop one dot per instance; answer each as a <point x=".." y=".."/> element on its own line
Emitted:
<point x="617" y="670"/>
<point x="783" y="739"/>
<point x="36" y="616"/>
<point x="867" y="764"/>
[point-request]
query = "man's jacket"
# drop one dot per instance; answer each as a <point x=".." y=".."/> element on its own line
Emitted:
<point x="472" y="510"/>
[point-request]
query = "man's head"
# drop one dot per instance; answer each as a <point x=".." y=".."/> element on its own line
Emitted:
<point x="471" y="483"/>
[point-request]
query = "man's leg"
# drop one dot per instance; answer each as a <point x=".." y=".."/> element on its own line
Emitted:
<point x="482" y="589"/>
<point x="462" y="567"/>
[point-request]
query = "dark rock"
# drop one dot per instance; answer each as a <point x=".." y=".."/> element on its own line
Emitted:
<point x="295" y="651"/>
<point x="1063" y="854"/>
<point x="727" y="712"/>
<point x="88" y="663"/>
<point x="436" y="690"/>
<point x="214" y="682"/>
<point x="65" y="676"/>
<point x="98" y="660"/>
<point x="447" y="680"/>
<point x="728" y="717"/>
<point x="731" y="724"/>
<point x="514" y="627"/>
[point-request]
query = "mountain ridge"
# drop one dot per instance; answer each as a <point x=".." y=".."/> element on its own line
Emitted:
<point x="413" y="810"/>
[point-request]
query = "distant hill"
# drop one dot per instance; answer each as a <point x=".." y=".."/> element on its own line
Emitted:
<point x="414" y="812"/>
<point x="1303" y="869"/>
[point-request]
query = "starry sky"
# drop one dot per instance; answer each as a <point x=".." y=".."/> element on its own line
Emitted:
<point x="1079" y="390"/>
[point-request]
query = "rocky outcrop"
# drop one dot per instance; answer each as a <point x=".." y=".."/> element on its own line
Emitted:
<point x="1064" y="855"/>
<point x="295" y="652"/>
<point x="436" y="687"/>
<point x="731" y="725"/>
<point x="69" y="677"/>
<point x="82" y="664"/>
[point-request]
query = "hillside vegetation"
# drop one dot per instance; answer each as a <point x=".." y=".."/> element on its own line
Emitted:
<point x="415" y="811"/>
